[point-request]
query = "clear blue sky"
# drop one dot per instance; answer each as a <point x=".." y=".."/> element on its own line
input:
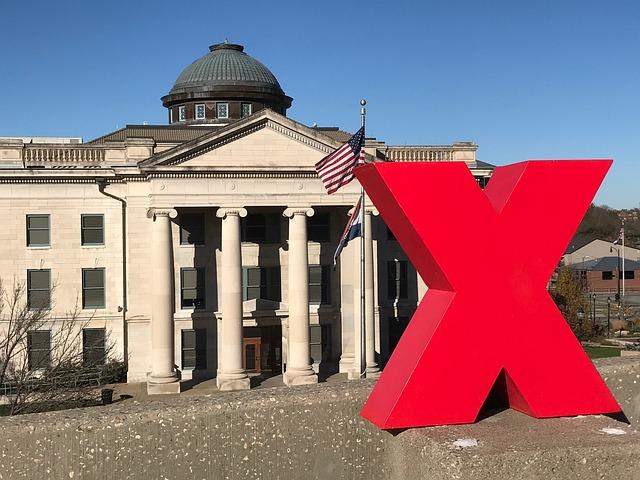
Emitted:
<point x="523" y="79"/>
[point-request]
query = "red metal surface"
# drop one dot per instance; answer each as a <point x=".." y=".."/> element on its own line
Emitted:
<point x="487" y="319"/>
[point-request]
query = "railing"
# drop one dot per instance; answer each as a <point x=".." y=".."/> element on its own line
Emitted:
<point x="77" y="153"/>
<point x="420" y="154"/>
<point x="63" y="380"/>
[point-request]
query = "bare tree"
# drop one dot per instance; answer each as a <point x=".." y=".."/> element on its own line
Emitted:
<point x="54" y="375"/>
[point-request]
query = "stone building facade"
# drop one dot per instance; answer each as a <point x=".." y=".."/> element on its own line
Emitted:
<point x="203" y="248"/>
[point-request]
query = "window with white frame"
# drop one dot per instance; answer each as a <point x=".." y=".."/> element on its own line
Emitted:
<point x="245" y="110"/>
<point x="222" y="110"/>
<point x="182" y="113"/>
<point x="200" y="111"/>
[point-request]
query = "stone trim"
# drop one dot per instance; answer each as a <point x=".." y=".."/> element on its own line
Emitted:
<point x="300" y="138"/>
<point x="267" y="122"/>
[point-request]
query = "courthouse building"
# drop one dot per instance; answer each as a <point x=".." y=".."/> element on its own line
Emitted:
<point x="203" y="248"/>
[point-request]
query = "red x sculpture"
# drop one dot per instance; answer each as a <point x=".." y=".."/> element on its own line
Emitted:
<point x="487" y="319"/>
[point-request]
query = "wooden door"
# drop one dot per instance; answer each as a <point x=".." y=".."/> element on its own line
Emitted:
<point x="251" y="356"/>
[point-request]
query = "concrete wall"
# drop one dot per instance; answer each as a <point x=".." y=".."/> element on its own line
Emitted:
<point x="314" y="432"/>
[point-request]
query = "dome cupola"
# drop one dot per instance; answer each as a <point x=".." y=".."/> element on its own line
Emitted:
<point x="223" y="86"/>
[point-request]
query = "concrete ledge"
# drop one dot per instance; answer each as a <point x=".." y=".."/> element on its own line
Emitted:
<point x="314" y="432"/>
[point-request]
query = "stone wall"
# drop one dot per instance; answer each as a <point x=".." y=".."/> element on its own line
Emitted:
<point x="314" y="432"/>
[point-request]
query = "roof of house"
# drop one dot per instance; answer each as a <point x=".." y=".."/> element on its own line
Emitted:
<point x="578" y="241"/>
<point x="606" y="264"/>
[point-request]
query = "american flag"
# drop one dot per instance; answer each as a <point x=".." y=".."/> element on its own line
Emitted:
<point x="336" y="170"/>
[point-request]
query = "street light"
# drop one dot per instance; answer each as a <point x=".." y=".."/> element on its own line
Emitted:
<point x="593" y="296"/>
<point x="580" y="319"/>
<point x="611" y="248"/>
<point x="608" y="316"/>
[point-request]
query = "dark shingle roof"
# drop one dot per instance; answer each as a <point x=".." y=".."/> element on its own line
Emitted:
<point x="606" y="264"/>
<point x="578" y="241"/>
<point x="160" y="133"/>
<point x="335" y="133"/>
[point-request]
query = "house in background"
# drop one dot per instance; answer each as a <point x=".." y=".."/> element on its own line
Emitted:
<point x="604" y="275"/>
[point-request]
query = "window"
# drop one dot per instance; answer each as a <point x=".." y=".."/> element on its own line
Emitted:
<point x="629" y="274"/>
<point x="192" y="229"/>
<point x="245" y="110"/>
<point x="194" y="348"/>
<point x="38" y="231"/>
<point x="200" y="111"/>
<point x="607" y="275"/>
<point x="92" y="229"/>
<point x="396" y="279"/>
<point x="264" y="228"/>
<point x="93" y="288"/>
<point x="182" y="113"/>
<point x="38" y="289"/>
<point x="171" y="115"/>
<point x="319" y="227"/>
<point x="93" y="346"/>
<point x="222" y="110"/>
<point x="39" y="349"/>
<point x="261" y="282"/>
<point x="319" y="284"/>
<point x="192" y="288"/>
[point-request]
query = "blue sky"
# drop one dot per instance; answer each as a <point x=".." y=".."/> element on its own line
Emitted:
<point x="543" y="79"/>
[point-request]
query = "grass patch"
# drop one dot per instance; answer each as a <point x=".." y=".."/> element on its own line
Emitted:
<point x="601" y="352"/>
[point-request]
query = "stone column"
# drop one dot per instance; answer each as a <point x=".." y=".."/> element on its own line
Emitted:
<point x="231" y="375"/>
<point x="372" y="369"/>
<point x="299" y="369"/>
<point x="163" y="377"/>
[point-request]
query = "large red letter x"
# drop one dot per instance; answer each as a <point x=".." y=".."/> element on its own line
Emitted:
<point x="487" y="317"/>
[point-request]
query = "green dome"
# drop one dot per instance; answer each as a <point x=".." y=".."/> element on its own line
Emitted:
<point x="226" y="65"/>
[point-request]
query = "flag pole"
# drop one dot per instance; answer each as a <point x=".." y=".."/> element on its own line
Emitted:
<point x="363" y="353"/>
<point x="623" y="275"/>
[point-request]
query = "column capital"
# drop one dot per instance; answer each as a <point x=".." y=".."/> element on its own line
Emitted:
<point x="154" y="212"/>
<point x="371" y="210"/>
<point x="291" y="211"/>
<point x="223" y="212"/>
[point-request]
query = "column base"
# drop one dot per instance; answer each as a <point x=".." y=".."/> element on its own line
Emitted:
<point x="163" y="388"/>
<point x="353" y="374"/>
<point x="373" y="372"/>
<point x="346" y="363"/>
<point x="228" y="383"/>
<point x="305" y="377"/>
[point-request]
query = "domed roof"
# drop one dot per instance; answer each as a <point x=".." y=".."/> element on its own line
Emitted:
<point x="226" y="65"/>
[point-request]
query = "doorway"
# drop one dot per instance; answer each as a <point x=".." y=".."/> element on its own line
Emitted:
<point x="262" y="350"/>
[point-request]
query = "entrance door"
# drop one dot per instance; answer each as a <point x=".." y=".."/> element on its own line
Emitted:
<point x="251" y="356"/>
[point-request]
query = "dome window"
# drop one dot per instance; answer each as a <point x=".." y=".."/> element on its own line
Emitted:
<point x="182" y="113"/>
<point x="200" y="111"/>
<point x="222" y="110"/>
<point x="245" y="110"/>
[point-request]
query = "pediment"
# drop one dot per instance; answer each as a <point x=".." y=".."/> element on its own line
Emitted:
<point x="266" y="141"/>
<point x="260" y="305"/>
